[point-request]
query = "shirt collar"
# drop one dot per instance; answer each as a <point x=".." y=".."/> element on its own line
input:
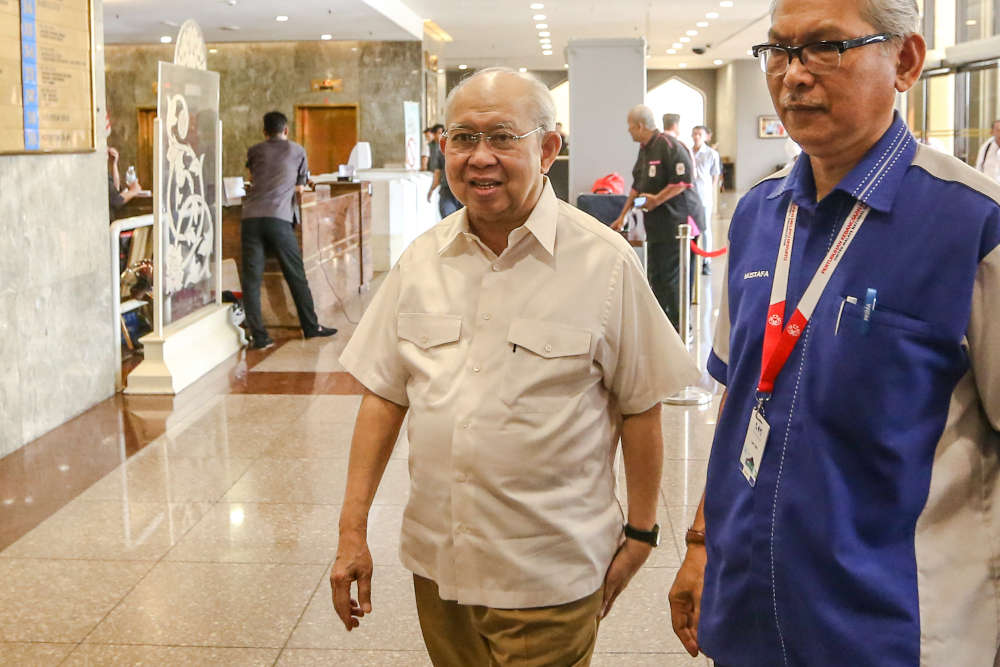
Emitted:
<point x="874" y="180"/>
<point x="541" y="223"/>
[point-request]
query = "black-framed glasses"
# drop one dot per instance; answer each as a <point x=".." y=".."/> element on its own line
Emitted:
<point x="463" y="141"/>
<point x="818" y="57"/>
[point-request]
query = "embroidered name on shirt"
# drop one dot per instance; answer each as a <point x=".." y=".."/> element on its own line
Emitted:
<point x="756" y="274"/>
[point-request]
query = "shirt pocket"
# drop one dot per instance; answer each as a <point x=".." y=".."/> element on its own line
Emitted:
<point x="429" y="346"/>
<point x="549" y="364"/>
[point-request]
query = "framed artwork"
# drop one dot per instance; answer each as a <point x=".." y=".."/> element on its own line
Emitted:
<point x="770" y="127"/>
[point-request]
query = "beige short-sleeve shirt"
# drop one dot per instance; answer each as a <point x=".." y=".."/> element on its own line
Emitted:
<point x="517" y="370"/>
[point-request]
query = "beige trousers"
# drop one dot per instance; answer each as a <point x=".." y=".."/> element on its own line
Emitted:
<point x="460" y="635"/>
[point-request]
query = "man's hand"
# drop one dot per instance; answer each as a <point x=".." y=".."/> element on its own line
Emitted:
<point x="112" y="154"/>
<point x="652" y="201"/>
<point x="353" y="563"/>
<point x="135" y="187"/>
<point x="685" y="597"/>
<point x="617" y="224"/>
<point x="626" y="563"/>
<point x="429" y="193"/>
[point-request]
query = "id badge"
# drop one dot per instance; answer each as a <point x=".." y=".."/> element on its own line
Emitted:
<point x="753" y="446"/>
<point x="652" y="171"/>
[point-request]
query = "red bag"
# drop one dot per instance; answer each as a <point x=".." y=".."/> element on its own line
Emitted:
<point x="612" y="184"/>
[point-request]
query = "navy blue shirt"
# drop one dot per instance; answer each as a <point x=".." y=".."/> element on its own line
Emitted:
<point x="845" y="553"/>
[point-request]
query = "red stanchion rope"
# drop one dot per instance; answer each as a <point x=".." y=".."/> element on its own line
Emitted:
<point x="705" y="253"/>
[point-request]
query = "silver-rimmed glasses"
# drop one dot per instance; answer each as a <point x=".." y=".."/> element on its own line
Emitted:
<point x="463" y="141"/>
<point x="818" y="57"/>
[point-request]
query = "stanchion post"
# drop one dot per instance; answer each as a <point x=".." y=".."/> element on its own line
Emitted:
<point x="684" y="298"/>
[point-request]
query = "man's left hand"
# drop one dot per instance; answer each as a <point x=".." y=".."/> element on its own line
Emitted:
<point x="626" y="563"/>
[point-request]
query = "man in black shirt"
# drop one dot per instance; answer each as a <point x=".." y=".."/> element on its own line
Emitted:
<point x="664" y="174"/>
<point x="447" y="204"/>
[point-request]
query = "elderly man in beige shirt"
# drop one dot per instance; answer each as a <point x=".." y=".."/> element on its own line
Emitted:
<point x="524" y="341"/>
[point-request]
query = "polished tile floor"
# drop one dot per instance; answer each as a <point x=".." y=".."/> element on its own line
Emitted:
<point x="199" y="531"/>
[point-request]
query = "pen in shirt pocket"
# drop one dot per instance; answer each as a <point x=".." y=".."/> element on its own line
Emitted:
<point x="871" y="296"/>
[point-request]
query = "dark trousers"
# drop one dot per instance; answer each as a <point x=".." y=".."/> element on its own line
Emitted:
<point x="664" y="277"/>
<point x="447" y="204"/>
<point x="261" y="235"/>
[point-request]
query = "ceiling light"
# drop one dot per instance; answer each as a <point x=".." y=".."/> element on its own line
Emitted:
<point x="718" y="62"/>
<point x="538" y="17"/>
<point x="523" y="69"/>
<point x="544" y="33"/>
<point x="971" y="22"/>
<point x="280" y="18"/>
<point x="537" y="5"/>
<point x="692" y="33"/>
<point x="566" y="66"/>
<point x="213" y="50"/>
<point x="463" y="67"/>
<point x="678" y="45"/>
<point x="685" y="39"/>
<point x="541" y="26"/>
<point x="726" y="3"/>
<point x="166" y="39"/>
<point x="326" y="37"/>
<point x="546" y="53"/>
<point x="702" y="24"/>
<point x="545" y="40"/>
<point x="671" y="51"/>
<point x="712" y="15"/>
<point x="683" y="65"/>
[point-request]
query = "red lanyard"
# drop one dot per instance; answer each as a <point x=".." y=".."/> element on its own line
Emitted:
<point x="779" y="342"/>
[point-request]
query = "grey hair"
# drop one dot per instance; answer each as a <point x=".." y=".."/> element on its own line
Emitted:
<point x="540" y="102"/>
<point x="644" y="116"/>
<point x="899" y="18"/>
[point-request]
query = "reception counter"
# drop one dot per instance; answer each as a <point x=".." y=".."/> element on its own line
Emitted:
<point x="336" y="242"/>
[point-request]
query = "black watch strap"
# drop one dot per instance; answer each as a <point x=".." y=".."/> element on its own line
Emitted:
<point x="650" y="537"/>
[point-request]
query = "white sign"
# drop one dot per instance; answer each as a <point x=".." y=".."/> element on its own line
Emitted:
<point x="411" y="121"/>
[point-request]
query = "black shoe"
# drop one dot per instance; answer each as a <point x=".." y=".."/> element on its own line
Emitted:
<point x="322" y="332"/>
<point x="261" y="343"/>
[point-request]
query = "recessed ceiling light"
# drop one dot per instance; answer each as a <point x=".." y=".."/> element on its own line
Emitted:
<point x="166" y="39"/>
<point x="213" y="50"/>
<point x="546" y="53"/>
<point x="280" y="18"/>
<point x="523" y="69"/>
<point x="971" y="22"/>
<point x="712" y="15"/>
<point x="671" y="51"/>
<point x="537" y="5"/>
<point x="463" y="67"/>
<point x="678" y="45"/>
<point x="538" y="17"/>
<point x="692" y="33"/>
<point x="544" y="33"/>
<point x="717" y="62"/>
<point x="683" y="65"/>
<point x="702" y="24"/>
<point x="566" y="66"/>
<point x="685" y="39"/>
<point x="541" y="26"/>
<point x="726" y="3"/>
<point x="326" y="37"/>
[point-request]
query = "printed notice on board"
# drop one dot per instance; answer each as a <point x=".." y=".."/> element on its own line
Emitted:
<point x="45" y="75"/>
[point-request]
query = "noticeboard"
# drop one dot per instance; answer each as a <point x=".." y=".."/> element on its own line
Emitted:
<point x="46" y="76"/>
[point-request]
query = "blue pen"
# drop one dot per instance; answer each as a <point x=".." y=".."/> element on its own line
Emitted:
<point x="865" y="325"/>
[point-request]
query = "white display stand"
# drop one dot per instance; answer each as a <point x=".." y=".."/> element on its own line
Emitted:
<point x="179" y="353"/>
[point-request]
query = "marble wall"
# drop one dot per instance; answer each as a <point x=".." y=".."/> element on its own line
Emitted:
<point x="268" y="76"/>
<point x="56" y="337"/>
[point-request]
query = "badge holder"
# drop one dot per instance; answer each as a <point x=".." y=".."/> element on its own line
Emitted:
<point x="688" y="395"/>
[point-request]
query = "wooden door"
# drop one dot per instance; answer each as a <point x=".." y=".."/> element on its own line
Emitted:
<point x="144" y="156"/>
<point x="328" y="134"/>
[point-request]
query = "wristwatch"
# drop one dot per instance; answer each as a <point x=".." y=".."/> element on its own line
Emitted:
<point x="650" y="537"/>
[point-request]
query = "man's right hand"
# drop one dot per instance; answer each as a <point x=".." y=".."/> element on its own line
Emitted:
<point x="353" y="563"/>
<point x="429" y="193"/>
<point x="685" y="597"/>
<point x="617" y="224"/>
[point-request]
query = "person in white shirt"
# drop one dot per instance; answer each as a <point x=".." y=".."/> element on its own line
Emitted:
<point x="988" y="160"/>
<point x="521" y="337"/>
<point x="707" y="171"/>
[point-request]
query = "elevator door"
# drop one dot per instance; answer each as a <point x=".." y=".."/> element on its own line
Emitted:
<point x="328" y="134"/>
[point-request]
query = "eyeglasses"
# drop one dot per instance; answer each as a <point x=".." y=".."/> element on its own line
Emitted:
<point x="463" y="141"/>
<point x="818" y="57"/>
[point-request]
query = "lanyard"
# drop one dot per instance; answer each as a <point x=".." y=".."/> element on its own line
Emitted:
<point x="779" y="342"/>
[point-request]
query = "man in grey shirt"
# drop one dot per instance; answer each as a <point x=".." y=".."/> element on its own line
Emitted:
<point x="278" y="169"/>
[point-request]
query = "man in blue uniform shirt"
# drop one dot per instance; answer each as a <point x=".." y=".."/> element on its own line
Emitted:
<point x="852" y="507"/>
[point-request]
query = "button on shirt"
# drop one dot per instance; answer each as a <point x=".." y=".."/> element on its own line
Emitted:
<point x="276" y="167"/>
<point x="707" y="165"/>
<point x="664" y="161"/>
<point x="517" y="370"/>
<point x="870" y="538"/>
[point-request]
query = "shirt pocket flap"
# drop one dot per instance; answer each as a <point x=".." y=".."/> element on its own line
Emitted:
<point x="427" y="330"/>
<point x="549" y="340"/>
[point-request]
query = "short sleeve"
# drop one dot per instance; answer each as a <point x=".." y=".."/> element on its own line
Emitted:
<point x="372" y="355"/>
<point x="643" y="358"/>
<point x="716" y="164"/>
<point x="679" y="166"/>
<point x="984" y="335"/>
<point x="718" y="360"/>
